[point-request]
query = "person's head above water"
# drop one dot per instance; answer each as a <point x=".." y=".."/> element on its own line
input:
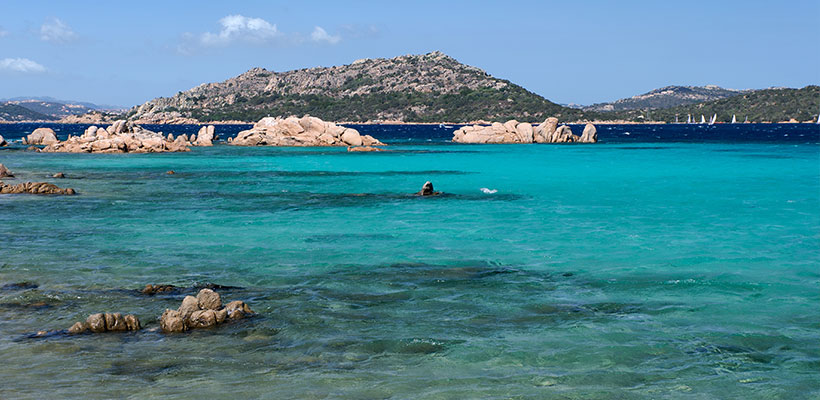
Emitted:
<point x="427" y="190"/>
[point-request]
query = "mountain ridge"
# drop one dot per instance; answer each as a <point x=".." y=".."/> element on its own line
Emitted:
<point x="667" y="97"/>
<point x="430" y="87"/>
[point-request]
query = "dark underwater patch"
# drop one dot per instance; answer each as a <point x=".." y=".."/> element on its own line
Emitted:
<point x="641" y="148"/>
<point x="19" y="286"/>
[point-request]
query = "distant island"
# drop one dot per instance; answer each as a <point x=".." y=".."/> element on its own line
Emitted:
<point x="667" y="97"/>
<point x="428" y="88"/>
<point x="50" y="109"/>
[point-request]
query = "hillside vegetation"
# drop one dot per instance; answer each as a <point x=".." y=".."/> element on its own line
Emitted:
<point x="14" y="112"/>
<point x="767" y="105"/>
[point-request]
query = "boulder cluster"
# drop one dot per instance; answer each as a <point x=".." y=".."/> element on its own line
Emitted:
<point x="121" y="137"/>
<point x="35" y="188"/>
<point x="305" y="131"/>
<point x="108" y="322"/>
<point x="203" y="311"/>
<point x="513" y="131"/>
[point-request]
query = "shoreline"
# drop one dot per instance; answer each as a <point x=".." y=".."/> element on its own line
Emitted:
<point x="398" y="123"/>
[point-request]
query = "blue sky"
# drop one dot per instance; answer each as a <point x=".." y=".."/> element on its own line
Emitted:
<point x="125" y="53"/>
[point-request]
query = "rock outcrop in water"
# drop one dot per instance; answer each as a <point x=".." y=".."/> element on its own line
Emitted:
<point x="521" y="132"/>
<point x="44" y="136"/>
<point x="5" y="173"/>
<point x="205" y="136"/>
<point x="590" y="134"/>
<point x="108" y="322"/>
<point x="203" y="311"/>
<point x="3" y="141"/>
<point x="305" y="131"/>
<point x="121" y="137"/>
<point x="35" y="188"/>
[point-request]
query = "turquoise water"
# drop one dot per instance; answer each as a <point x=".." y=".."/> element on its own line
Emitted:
<point x="645" y="271"/>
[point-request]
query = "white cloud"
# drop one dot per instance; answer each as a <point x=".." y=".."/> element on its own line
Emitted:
<point x="55" y="30"/>
<point x="238" y="27"/>
<point x="20" y="65"/>
<point x="319" y="35"/>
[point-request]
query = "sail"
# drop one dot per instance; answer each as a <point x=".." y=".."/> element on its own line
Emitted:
<point x="702" y="119"/>
<point x="712" y="121"/>
<point x="734" y="120"/>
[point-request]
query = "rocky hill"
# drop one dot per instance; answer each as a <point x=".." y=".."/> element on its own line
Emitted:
<point x="415" y="88"/>
<point x="667" y="97"/>
<point x="766" y="105"/>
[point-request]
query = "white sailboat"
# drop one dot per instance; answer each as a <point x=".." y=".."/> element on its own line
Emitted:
<point x="712" y="121"/>
<point x="688" y="118"/>
<point x="702" y="119"/>
<point x="734" y="120"/>
<point x="746" y="121"/>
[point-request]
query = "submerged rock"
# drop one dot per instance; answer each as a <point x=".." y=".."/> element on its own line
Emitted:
<point x="305" y="131"/>
<point x="363" y="148"/>
<point x="154" y="289"/>
<point x="35" y="188"/>
<point x="58" y="175"/>
<point x="203" y="311"/>
<point x="41" y="136"/>
<point x="427" y="190"/>
<point x="107" y="322"/>
<point x="521" y="132"/>
<point x="4" y="172"/>
<point x="19" y="286"/>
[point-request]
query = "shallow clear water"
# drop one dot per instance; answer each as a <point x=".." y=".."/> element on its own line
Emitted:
<point x="616" y="270"/>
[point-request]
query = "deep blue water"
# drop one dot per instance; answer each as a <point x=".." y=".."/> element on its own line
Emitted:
<point x="680" y="133"/>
